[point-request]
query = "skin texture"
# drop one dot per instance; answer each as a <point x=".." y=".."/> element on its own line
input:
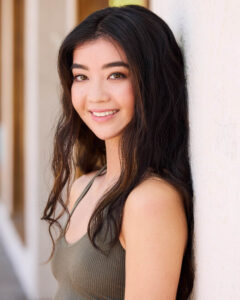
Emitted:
<point x="102" y="88"/>
<point x="155" y="234"/>
<point x="154" y="228"/>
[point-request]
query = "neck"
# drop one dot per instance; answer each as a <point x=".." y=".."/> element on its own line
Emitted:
<point x="113" y="162"/>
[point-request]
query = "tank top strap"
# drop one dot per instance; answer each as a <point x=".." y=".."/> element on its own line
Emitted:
<point x="87" y="187"/>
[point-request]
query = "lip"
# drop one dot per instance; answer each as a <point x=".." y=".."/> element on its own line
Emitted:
<point x="103" y="110"/>
<point x="103" y="118"/>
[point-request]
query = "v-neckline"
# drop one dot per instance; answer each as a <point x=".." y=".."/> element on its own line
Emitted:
<point x="74" y="243"/>
<point x="99" y="172"/>
<point x="70" y="245"/>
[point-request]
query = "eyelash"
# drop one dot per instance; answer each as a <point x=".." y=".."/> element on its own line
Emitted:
<point x="76" y="76"/>
<point x="119" y="73"/>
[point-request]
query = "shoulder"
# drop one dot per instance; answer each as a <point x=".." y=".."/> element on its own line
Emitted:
<point x="154" y="197"/>
<point x="155" y="187"/>
<point x="155" y="235"/>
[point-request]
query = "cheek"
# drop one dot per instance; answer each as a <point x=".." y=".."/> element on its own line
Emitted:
<point x="129" y="99"/>
<point x="77" y="100"/>
<point x="131" y="108"/>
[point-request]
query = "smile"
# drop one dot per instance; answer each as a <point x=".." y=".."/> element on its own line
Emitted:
<point x="102" y="116"/>
<point x="104" y="113"/>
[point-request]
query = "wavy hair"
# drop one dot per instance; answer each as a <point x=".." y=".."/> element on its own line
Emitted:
<point x="156" y="139"/>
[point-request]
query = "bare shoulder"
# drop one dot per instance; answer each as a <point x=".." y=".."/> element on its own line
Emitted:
<point x="155" y="195"/>
<point x="155" y="234"/>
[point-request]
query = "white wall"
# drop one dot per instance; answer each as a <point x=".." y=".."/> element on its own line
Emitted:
<point x="209" y="34"/>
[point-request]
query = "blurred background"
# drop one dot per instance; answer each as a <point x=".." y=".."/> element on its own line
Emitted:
<point x="31" y="32"/>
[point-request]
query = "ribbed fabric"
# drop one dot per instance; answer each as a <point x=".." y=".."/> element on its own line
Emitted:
<point x="83" y="272"/>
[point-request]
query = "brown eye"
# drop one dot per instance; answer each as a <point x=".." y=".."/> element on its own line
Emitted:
<point x="117" y="75"/>
<point x="79" y="77"/>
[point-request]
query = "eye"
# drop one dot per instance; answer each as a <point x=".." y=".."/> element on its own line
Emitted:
<point x="79" y="77"/>
<point x="117" y="75"/>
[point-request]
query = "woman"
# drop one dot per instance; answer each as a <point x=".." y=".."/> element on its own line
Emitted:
<point x="124" y="124"/>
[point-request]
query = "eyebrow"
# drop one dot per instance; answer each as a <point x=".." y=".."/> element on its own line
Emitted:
<point x="109" y="65"/>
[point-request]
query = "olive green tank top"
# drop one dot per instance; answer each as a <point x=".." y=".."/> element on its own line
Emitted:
<point x="83" y="272"/>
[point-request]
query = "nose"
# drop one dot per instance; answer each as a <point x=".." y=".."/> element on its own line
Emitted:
<point x="97" y="92"/>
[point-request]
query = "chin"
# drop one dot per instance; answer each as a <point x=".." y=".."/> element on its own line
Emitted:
<point x="105" y="137"/>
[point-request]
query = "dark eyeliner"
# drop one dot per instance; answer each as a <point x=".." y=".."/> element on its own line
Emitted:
<point x="119" y="73"/>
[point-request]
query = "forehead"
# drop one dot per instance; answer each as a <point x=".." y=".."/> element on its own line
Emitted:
<point x="101" y="49"/>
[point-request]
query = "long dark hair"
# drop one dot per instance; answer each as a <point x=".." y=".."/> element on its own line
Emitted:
<point x="156" y="139"/>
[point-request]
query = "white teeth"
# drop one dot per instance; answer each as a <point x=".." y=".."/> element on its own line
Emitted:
<point x="105" y="113"/>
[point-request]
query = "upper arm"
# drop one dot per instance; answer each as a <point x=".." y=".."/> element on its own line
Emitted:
<point x="155" y="234"/>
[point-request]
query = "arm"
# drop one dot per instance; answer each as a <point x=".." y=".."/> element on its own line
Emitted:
<point x="155" y="234"/>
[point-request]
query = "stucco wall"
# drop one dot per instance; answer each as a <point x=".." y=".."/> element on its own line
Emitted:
<point x="208" y="32"/>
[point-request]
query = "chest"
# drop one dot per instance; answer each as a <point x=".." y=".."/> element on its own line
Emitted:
<point x="81" y="216"/>
<point x="84" y="269"/>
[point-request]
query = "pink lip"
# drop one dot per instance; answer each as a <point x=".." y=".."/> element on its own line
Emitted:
<point x="103" y="119"/>
<point x="101" y="110"/>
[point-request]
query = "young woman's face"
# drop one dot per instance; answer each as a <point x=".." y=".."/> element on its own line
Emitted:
<point x="102" y="92"/>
